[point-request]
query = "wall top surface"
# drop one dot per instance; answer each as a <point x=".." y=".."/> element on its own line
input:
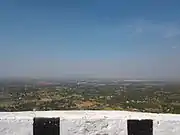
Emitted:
<point x="89" y="115"/>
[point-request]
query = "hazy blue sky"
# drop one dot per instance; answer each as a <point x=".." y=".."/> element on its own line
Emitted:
<point x="92" y="38"/>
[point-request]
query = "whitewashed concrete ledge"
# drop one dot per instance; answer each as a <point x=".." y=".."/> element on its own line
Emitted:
<point x="88" y="122"/>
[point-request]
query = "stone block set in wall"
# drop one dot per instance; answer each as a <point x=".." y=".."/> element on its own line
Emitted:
<point x="88" y="123"/>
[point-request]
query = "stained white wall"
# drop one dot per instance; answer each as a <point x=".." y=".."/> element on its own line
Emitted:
<point x="88" y="122"/>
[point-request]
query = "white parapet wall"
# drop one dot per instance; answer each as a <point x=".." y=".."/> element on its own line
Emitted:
<point x="89" y="122"/>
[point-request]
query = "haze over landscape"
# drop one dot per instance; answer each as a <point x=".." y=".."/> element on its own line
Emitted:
<point x="90" y="55"/>
<point x="96" y="38"/>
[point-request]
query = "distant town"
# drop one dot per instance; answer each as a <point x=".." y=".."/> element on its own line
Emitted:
<point x="92" y="94"/>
